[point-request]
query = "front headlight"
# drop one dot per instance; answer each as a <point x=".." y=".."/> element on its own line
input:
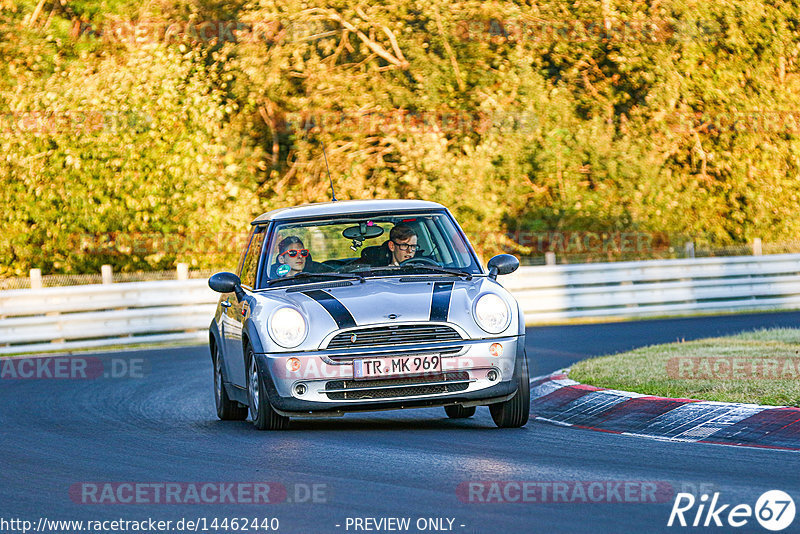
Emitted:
<point x="492" y="313"/>
<point x="287" y="327"/>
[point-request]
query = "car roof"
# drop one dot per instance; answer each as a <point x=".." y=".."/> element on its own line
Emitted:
<point x="345" y="207"/>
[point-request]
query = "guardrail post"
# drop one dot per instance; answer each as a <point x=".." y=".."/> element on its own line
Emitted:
<point x="183" y="271"/>
<point x="757" y="246"/>
<point x="36" y="283"/>
<point x="107" y="274"/>
<point x="550" y="258"/>
<point x="183" y="274"/>
<point x="690" y="250"/>
<point x="36" y="279"/>
<point x="59" y="327"/>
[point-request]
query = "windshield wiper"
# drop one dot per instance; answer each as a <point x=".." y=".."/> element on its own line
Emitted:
<point x="411" y="267"/>
<point x="415" y="266"/>
<point x="305" y="275"/>
<point x="434" y="269"/>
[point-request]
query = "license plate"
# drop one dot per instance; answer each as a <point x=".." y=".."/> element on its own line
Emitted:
<point x="397" y="366"/>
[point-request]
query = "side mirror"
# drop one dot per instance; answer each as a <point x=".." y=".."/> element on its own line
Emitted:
<point x="502" y="264"/>
<point x="226" y="283"/>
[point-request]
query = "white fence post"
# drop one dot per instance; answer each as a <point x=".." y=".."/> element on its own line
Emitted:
<point x="183" y="271"/>
<point x="690" y="250"/>
<point x="550" y="258"/>
<point x="107" y="274"/>
<point x="757" y="246"/>
<point x="36" y="279"/>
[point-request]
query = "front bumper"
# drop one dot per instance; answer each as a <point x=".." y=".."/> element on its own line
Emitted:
<point x="470" y="376"/>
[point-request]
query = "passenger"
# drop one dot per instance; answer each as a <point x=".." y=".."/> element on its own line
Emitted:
<point x="292" y="257"/>
<point x="402" y="244"/>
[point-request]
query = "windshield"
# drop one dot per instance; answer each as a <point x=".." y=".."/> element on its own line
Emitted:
<point x="367" y="245"/>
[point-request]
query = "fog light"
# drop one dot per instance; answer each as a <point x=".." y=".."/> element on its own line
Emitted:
<point x="492" y="375"/>
<point x="300" y="389"/>
<point x="292" y="365"/>
<point x="496" y="350"/>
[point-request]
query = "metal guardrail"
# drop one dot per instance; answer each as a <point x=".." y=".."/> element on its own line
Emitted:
<point x="62" y="318"/>
<point x="657" y="288"/>
<point x="56" y="318"/>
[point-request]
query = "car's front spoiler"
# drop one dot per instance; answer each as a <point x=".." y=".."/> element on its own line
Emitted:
<point x="292" y="407"/>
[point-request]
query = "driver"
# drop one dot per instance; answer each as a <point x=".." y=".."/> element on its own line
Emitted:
<point x="402" y="244"/>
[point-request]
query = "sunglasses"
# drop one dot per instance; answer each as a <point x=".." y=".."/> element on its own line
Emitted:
<point x="293" y="253"/>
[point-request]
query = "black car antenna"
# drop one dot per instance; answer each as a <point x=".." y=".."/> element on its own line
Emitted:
<point x="333" y="193"/>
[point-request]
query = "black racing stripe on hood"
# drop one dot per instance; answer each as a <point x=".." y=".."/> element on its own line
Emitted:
<point x="440" y="300"/>
<point x="337" y="310"/>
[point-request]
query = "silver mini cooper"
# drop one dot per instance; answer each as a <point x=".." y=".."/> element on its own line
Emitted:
<point x="366" y="305"/>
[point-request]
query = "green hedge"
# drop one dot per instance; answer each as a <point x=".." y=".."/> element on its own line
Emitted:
<point x="664" y="118"/>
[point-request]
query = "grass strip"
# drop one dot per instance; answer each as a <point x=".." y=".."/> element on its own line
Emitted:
<point x="758" y="367"/>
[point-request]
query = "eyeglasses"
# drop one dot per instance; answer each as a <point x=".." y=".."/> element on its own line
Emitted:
<point x="406" y="247"/>
<point x="293" y="253"/>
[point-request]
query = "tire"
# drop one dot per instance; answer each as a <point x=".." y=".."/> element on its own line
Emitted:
<point x="459" y="412"/>
<point x="514" y="412"/>
<point x="261" y="412"/>
<point x="227" y="410"/>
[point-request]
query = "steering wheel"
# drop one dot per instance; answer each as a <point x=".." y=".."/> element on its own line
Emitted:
<point x="421" y="259"/>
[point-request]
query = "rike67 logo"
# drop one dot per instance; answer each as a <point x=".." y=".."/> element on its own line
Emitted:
<point x="774" y="510"/>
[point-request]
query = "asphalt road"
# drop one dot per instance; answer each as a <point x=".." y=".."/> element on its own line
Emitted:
<point x="159" y="428"/>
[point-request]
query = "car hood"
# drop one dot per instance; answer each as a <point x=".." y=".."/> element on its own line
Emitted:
<point x="332" y="306"/>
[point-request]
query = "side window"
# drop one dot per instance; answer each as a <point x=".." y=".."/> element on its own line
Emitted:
<point x="442" y="245"/>
<point x="424" y="239"/>
<point x="244" y="253"/>
<point x="251" y="259"/>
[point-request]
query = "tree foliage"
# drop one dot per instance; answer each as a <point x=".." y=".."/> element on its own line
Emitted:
<point x="670" y="117"/>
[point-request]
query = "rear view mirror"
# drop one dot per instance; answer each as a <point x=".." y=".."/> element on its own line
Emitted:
<point x="363" y="231"/>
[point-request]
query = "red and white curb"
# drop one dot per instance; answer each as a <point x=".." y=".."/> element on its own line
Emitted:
<point x="557" y="399"/>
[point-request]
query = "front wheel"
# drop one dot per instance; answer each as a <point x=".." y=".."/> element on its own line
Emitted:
<point x="514" y="412"/>
<point x="261" y="412"/>
<point x="227" y="410"/>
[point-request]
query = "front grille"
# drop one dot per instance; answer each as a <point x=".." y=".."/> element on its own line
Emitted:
<point x="347" y="358"/>
<point x="401" y="387"/>
<point x="393" y="335"/>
